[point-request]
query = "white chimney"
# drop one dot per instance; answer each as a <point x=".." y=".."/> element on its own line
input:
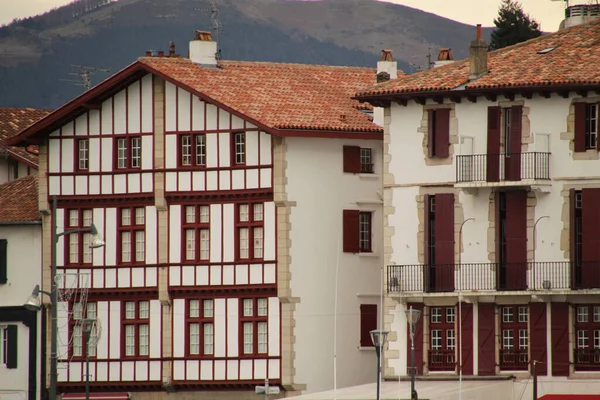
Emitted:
<point x="203" y="50"/>
<point x="387" y="65"/>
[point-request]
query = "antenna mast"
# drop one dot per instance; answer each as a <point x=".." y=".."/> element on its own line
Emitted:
<point x="217" y="26"/>
<point x="84" y="73"/>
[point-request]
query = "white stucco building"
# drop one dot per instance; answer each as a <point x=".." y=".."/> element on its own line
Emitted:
<point x="20" y="271"/>
<point x="232" y="197"/>
<point x="492" y="203"/>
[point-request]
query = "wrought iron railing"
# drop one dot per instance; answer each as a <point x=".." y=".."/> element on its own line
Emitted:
<point x="514" y="359"/>
<point x="442" y="360"/>
<point x="587" y="359"/>
<point x="502" y="167"/>
<point x="468" y="277"/>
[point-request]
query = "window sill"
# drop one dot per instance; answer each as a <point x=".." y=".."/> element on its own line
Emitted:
<point x="365" y="254"/>
<point x="366" y="348"/>
<point x="369" y="176"/>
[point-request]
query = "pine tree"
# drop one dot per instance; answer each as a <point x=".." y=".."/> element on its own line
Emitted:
<point x="513" y="26"/>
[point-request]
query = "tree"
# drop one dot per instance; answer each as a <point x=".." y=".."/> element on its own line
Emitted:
<point x="513" y="26"/>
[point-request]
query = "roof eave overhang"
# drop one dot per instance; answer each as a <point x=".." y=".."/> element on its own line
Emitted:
<point x="22" y="159"/>
<point x="331" y="134"/>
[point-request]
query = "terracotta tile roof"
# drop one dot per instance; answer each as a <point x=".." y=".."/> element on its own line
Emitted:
<point x="19" y="200"/>
<point x="574" y="60"/>
<point x="13" y="121"/>
<point x="280" y="96"/>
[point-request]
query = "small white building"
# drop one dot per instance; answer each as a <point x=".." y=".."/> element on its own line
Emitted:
<point x="492" y="208"/>
<point x="240" y="203"/>
<point x="20" y="271"/>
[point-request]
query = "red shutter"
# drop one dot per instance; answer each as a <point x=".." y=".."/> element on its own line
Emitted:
<point x="352" y="159"/>
<point x="493" y="144"/>
<point x="572" y="227"/>
<point x="368" y="322"/>
<point x="431" y="133"/>
<point x="351" y="233"/>
<point x="560" y="339"/>
<point x="442" y="133"/>
<point x="539" y="337"/>
<point x="444" y="242"/>
<point x="426" y="211"/>
<point x="418" y="341"/>
<point x="590" y="237"/>
<point x="467" y="338"/>
<point x="580" y="127"/>
<point x="513" y="161"/>
<point x="516" y="239"/>
<point x="486" y="335"/>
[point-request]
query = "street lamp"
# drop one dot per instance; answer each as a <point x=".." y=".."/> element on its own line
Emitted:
<point x="34" y="303"/>
<point x="412" y="317"/>
<point x="460" y="288"/>
<point x="378" y="337"/>
<point x="533" y="266"/>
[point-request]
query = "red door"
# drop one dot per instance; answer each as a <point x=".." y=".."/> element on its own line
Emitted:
<point x="486" y="333"/>
<point x="444" y="242"/>
<point x="537" y="313"/>
<point x="590" y="254"/>
<point x="516" y="240"/>
<point x="418" y="341"/>
<point x="560" y="339"/>
<point x="512" y="165"/>
<point x="467" y="338"/>
<point x="493" y="144"/>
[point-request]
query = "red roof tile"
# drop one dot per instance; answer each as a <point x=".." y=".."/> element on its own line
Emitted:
<point x="13" y="121"/>
<point x="280" y="96"/>
<point x="574" y="60"/>
<point x="19" y="200"/>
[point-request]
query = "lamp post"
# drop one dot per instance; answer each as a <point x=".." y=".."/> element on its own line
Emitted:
<point x="87" y="325"/>
<point x="412" y="317"/>
<point x="533" y="266"/>
<point x="378" y="337"/>
<point x="460" y="287"/>
<point x="34" y="303"/>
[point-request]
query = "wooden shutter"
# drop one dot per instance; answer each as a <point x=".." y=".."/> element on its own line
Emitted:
<point x="486" y="335"/>
<point x="368" y="322"/>
<point x="493" y="144"/>
<point x="426" y="217"/>
<point x="444" y="242"/>
<point x="513" y="162"/>
<point x="467" y="338"/>
<point x="418" y="340"/>
<point x="431" y="133"/>
<point x="351" y="233"/>
<point x="580" y="127"/>
<point x="352" y="159"/>
<point x="560" y="339"/>
<point x="3" y="261"/>
<point x="572" y="227"/>
<point x="442" y="133"/>
<point x="590" y="254"/>
<point x="516" y="239"/>
<point x="12" y="345"/>
<point x="537" y="313"/>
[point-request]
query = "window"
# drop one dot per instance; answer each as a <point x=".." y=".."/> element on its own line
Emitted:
<point x="83" y="154"/>
<point x="3" y="261"/>
<point x="196" y="231"/>
<point x="200" y="327"/>
<point x="442" y="353"/>
<point x="439" y="242"/>
<point x="254" y="328"/>
<point x="586" y="126"/>
<point x="78" y="249"/>
<point x="438" y="133"/>
<point x="136" y="328"/>
<point x="587" y="328"/>
<point x="239" y="148"/>
<point x="515" y="338"/>
<point x="357" y="227"/>
<point x="129" y="152"/>
<point x="368" y="322"/>
<point x="358" y="160"/>
<point x="132" y="235"/>
<point x="8" y="346"/>
<point x="80" y="311"/>
<point x="250" y="231"/>
<point x="193" y="150"/>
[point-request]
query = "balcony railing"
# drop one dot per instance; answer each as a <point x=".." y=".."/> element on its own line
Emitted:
<point x="587" y="359"/>
<point x="502" y="167"/>
<point x="514" y="359"/>
<point x="442" y="360"/>
<point x="558" y="275"/>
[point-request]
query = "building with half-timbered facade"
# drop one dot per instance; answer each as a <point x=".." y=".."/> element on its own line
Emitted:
<point x="498" y="219"/>
<point x="232" y="196"/>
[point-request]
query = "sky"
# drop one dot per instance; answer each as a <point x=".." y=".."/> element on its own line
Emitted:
<point x="548" y="13"/>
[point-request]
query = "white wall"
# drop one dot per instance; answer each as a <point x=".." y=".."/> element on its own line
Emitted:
<point x="321" y="190"/>
<point x="7" y="169"/>
<point x="24" y="272"/>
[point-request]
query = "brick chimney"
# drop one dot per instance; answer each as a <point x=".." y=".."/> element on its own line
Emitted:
<point x="444" y="57"/>
<point x="478" y="57"/>
<point x="387" y="68"/>
<point x="203" y="49"/>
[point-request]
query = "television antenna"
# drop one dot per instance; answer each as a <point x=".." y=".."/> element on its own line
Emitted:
<point x="217" y="26"/>
<point x="84" y="74"/>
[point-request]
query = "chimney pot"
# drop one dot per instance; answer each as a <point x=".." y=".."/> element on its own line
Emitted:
<point x="386" y="55"/>
<point x="161" y="53"/>
<point x="205" y="36"/>
<point x="203" y="50"/>
<point x="148" y="53"/>
<point x="478" y="57"/>
<point x="172" y="49"/>
<point x="387" y="68"/>
<point x="478" y="31"/>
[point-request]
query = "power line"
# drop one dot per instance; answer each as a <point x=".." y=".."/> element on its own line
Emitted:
<point x="84" y="74"/>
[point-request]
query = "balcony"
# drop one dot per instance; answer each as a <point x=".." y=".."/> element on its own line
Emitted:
<point x="487" y="277"/>
<point x="514" y="359"/>
<point x="587" y="359"/>
<point x="486" y="170"/>
<point x="442" y="360"/>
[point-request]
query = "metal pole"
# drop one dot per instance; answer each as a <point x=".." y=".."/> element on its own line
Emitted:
<point x="378" y="352"/>
<point x="267" y="389"/>
<point x="534" y="380"/>
<point x="87" y="365"/>
<point x="54" y="305"/>
<point x="460" y="286"/>
<point x="412" y="357"/>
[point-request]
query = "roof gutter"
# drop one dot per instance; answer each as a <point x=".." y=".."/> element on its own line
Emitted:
<point x="13" y="223"/>
<point x="23" y="159"/>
